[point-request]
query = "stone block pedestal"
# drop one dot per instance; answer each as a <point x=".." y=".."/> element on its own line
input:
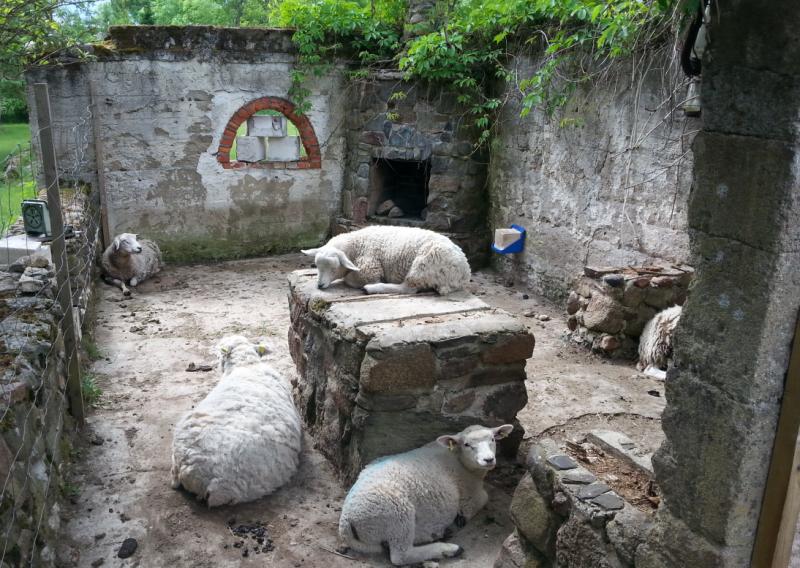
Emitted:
<point x="384" y="374"/>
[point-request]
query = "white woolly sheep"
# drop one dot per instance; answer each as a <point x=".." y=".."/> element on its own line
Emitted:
<point x="410" y="499"/>
<point x="243" y="440"/>
<point x="130" y="261"/>
<point x="655" y="343"/>
<point x="392" y="260"/>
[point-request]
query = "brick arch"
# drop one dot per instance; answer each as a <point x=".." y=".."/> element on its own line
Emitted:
<point x="313" y="158"/>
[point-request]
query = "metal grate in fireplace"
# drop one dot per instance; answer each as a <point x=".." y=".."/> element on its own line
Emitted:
<point x="398" y="188"/>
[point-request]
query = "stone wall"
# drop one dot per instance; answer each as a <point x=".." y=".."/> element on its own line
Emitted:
<point x="609" y="307"/>
<point x="603" y="183"/>
<point x="165" y="96"/>
<point x="33" y="405"/>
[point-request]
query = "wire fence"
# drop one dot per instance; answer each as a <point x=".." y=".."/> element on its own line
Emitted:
<point x="45" y="289"/>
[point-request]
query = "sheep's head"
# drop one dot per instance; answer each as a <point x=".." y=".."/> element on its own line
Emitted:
<point x="476" y="445"/>
<point x="126" y="243"/>
<point x="236" y="349"/>
<point x="331" y="264"/>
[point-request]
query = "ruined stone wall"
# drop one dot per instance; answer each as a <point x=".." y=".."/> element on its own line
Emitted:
<point x="165" y="97"/>
<point x="603" y="183"/>
<point x="34" y="416"/>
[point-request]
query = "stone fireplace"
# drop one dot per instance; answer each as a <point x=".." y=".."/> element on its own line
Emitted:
<point x="398" y="189"/>
<point x="412" y="161"/>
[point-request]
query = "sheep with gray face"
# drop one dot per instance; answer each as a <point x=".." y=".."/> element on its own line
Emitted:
<point x="392" y="260"/>
<point x="655" y="343"/>
<point x="243" y="440"/>
<point x="409" y="500"/>
<point x="129" y="261"/>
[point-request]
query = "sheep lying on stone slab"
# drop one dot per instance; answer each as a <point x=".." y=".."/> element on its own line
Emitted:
<point x="392" y="260"/>
<point x="655" y="343"/>
<point x="129" y="261"/>
<point x="410" y="499"/>
<point x="243" y="440"/>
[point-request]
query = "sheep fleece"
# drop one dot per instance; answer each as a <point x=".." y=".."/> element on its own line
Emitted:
<point x="394" y="255"/>
<point x="141" y="265"/>
<point x="428" y="484"/>
<point x="242" y="441"/>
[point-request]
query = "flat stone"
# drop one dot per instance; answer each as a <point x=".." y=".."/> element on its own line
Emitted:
<point x="614" y="280"/>
<point x="129" y="546"/>
<point x="591" y="491"/>
<point x="609" y="500"/>
<point x="562" y="461"/>
<point x="578" y="478"/>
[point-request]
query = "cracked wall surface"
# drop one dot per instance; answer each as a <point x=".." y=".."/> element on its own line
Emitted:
<point x="164" y="97"/>
<point x="603" y="182"/>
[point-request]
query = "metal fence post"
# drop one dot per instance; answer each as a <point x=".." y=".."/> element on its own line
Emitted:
<point x="59" y="251"/>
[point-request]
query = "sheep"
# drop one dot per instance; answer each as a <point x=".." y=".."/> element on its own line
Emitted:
<point x="655" y="343"/>
<point x="392" y="260"/>
<point x="243" y="440"/>
<point x="407" y="500"/>
<point x="130" y="261"/>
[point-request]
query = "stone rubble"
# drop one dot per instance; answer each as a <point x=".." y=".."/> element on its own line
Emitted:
<point x="608" y="307"/>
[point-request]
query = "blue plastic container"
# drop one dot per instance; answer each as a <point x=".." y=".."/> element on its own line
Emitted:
<point x="516" y="246"/>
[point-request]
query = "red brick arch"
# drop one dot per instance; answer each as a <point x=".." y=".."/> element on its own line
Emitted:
<point x="312" y="160"/>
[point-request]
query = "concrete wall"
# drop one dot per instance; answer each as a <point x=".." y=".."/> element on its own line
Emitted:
<point x="165" y="96"/>
<point x="604" y="183"/>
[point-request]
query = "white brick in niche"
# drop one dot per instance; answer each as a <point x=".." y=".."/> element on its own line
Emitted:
<point x="265" y="125"/>
<point x="250" y="149"/>
<point x="284" y="149"/>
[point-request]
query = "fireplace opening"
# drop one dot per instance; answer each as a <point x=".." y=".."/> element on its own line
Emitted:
<point x="398" y="188"/>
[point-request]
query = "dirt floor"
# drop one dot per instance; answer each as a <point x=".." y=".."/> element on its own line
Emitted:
<point x="147" y="342"/>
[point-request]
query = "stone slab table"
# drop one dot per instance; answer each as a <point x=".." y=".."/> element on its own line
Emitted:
<point x="383" y="374"/>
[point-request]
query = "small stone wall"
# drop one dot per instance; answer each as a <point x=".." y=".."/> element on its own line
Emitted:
<point x="608" y="307"/>
<point x="33" y="405"/>
<point x="564" y="516"/>
<point x="384" y="374"/>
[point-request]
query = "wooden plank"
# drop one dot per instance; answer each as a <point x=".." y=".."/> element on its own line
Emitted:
<point x="99" y="153"/>
<point x="58" y="249"/>
<point x="781" y="502"/>
<point x="791" y="511"/>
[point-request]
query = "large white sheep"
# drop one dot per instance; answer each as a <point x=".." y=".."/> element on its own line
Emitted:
<point x="243" y="440"/>
<point x="129" y="261"/>
<point x="408" y="500"/>
<point x="392" y="260"/>
<point x="655" y="343"/>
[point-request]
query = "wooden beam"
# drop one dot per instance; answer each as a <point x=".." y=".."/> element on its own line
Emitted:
<point x="58" y="248"/>
<point x="781" y="504"/>
<point x="99" y="153"/>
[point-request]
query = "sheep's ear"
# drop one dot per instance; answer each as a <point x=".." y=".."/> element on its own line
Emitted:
<point x="309" y="252"/>
<point x="115" y="244"/>
<point x="449" y="442"/>
<point x="346" y="262"/>
<point x="502" y="431"/>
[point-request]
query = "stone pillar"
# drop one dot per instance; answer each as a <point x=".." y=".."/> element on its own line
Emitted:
<point x="732" y="346"/>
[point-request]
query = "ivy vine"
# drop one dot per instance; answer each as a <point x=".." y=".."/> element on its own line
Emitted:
<point x="467" y="45"/>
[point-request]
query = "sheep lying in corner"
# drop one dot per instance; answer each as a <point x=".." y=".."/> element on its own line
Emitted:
<point x="243" y="440"/>
<point x="392" y="260"/>
<point x="410" y="499"/>
<point x="130" y="261"/>
<point x="655" y="343"/>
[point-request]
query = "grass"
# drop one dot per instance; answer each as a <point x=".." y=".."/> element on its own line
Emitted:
<point x="91" y="392"/>
<point x="92" y="350"/>
<point x="14" y="138"/>
<point x="12" y="135"/>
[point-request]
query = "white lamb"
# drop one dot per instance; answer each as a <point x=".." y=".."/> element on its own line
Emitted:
<point x="130" y="261"/>
<point x="392" y="260"/>
<point x="243" y="440"/>
<point x="410" y="499"/>
<point x="655" y="343"/>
